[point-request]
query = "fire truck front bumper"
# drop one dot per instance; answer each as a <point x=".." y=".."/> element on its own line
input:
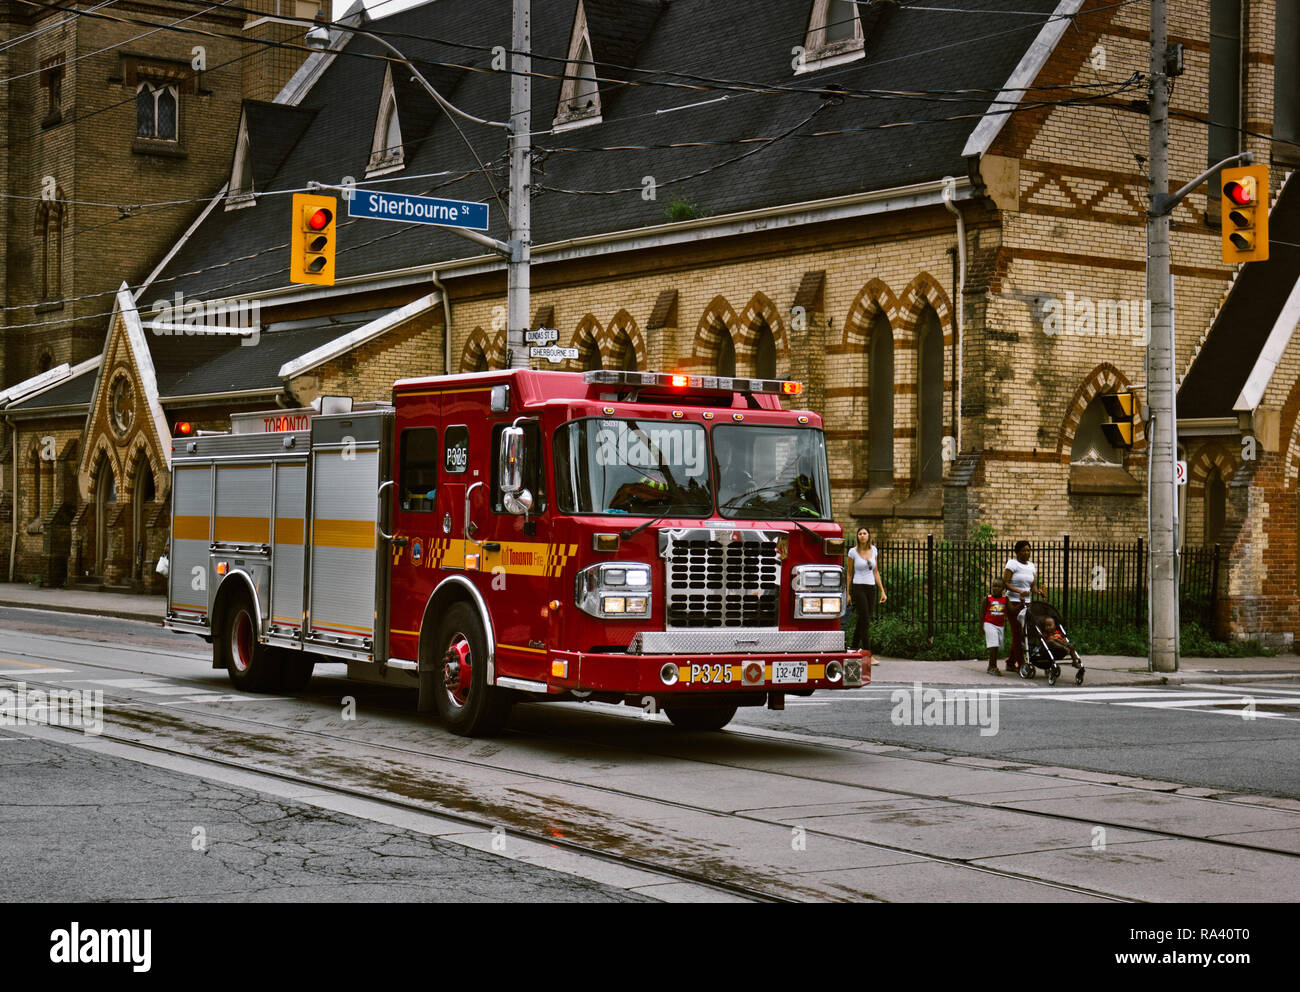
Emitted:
<point x="660" y="674"/>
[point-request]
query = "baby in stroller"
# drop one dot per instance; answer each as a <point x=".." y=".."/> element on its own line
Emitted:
<point x="1046" y="643"/>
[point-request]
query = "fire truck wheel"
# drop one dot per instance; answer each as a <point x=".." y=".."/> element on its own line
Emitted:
<point x="467" y="704"/>
<point x="709" y="718"/>
<point x="295" y="671"/>
<point x="253" y="667"/>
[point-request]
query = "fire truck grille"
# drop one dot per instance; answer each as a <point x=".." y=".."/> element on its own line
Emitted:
<point x="710" y="584"/>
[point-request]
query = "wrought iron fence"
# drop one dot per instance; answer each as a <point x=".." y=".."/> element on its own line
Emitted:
<point x="942" y="584"/>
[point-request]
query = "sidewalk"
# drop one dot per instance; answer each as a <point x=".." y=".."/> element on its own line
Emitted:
<point x="102" y="604"/>
<point x="1101" y="669"/>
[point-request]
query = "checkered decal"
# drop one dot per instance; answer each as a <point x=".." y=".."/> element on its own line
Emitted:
<point x="557" y="556"/>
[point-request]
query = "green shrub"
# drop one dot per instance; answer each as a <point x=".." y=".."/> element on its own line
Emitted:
<point x="680" y="210"/>
<point x="955" y="646"/>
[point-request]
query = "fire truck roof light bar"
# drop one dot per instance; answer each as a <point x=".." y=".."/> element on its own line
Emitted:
<point x="680" y="380"/>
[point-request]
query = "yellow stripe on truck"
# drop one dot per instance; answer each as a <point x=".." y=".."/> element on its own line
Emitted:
<point x="288" y="530"/>
<point x="343" y="534"/>
<point x="243" y="530"/>
<point x="190" y="528"/>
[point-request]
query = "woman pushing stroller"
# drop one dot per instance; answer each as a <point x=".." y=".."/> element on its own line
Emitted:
<point x="1021" y="580"/>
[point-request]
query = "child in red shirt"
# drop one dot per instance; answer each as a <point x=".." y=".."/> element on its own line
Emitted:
<point x="994" y="619"/>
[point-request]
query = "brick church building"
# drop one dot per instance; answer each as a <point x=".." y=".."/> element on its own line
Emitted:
<point x="934" y="217"/>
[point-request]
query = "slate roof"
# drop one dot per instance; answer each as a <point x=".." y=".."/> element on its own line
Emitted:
<point x="749" y="40"/>
<point x="1244" y="322"/>
<point x="273" y="130"/>
<point x="71" y="392"/>
<point x="253" y="365"/>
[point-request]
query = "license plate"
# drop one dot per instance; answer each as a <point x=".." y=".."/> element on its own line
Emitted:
<point x="789" y="671"/>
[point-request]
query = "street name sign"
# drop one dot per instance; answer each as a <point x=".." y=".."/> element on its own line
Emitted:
<point x="543" y="335"/>
<point x="552" y="354"/>
<point x="418" y="210"/>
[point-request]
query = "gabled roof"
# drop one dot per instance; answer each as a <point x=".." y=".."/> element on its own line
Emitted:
<point x="911" y="49"/>
<point x="273" y="130"/>
<point x="1241" y="331"/>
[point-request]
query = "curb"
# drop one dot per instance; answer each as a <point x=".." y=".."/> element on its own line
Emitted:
<point x="155" y="618"/>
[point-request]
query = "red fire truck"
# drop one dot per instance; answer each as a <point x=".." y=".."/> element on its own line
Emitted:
<point x="659" y="539"/>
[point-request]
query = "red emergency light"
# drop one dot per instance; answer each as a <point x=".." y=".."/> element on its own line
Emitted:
<point x="184" y="427"/>
<point x="681" y="381"/>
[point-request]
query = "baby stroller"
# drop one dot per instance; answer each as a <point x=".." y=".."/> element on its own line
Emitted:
<point x="1042" y="651"/>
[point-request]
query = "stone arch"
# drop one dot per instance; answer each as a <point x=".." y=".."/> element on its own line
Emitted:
<point x="140" y="445"/>
<point x="623" y="332"/>
<point x="1105" y="378"/>
<point x="89" y="476"/>
<point x="592" y="342"/>
<point x="717" y="320"/>
<point x="759" y="312"/>
<point x="474" y="357"/>
<point x="1212" y="457"/>
<point x="497" y="354"/>
<point x="924" y="290"/>
<point x="872" y="299"/>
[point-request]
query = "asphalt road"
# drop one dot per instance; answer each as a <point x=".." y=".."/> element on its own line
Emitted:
<point x="836" y="798"/>
<point x="1243" y="738"/>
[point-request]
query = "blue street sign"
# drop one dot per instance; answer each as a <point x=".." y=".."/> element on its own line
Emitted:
<point x="418" y="209"/>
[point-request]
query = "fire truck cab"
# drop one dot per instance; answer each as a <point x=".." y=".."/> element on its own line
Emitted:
<point x="659" y="539"/>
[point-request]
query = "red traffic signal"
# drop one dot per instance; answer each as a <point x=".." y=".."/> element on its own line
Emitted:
<point x="1242" y="194"/>
<point x="320" y="219"/>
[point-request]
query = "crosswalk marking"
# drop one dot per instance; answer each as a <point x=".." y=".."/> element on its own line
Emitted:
<point x="1238" y="701"/>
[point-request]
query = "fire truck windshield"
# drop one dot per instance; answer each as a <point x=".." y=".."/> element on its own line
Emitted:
<point x="771" y="472"/>
<point x="634" y="467"/>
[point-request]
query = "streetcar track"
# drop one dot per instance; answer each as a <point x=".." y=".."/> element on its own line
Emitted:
<point x="655" y="867"/>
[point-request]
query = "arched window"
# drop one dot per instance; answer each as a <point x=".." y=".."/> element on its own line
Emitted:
<point x="929" y="399"/>
<point x="589" y="355"/>
<point x="764" y="352"/>
<point x="105" y="497"/>
<point x="143" y="496"/>
<point x="1090" y="445"/>
<point x="156" y="111"/>
<point x="880" y="404"/>
<point x="726" y="361"/>
<point x="1216" y="507"/>
<point x="624" y="353"/>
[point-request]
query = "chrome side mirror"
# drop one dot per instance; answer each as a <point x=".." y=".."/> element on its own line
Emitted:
<point x="518" y="503"/>
<point x="510" y="468"/>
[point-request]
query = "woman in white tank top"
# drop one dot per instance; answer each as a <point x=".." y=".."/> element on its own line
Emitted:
<point x="863" y="579"/>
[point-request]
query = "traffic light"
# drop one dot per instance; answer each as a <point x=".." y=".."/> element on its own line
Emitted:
<point x="311" y="257"/>
<point x="1118" y="428"/>
<point x="1244" y="214"/>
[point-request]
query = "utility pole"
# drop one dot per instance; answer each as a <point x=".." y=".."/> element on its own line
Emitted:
<point x="518" y="279"/>
<point x="1162" y="425"/>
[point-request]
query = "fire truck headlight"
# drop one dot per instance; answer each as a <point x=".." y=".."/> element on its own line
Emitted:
<point x="601" y="590"/>
<point x="822" y="607"/>
<point x="817" y="577"/>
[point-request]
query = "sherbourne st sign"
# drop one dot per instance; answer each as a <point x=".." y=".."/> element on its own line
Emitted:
<point x="418" y="210"/>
